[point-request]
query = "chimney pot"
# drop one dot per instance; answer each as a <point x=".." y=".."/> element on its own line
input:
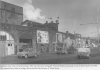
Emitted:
<point x="46" y="21"/>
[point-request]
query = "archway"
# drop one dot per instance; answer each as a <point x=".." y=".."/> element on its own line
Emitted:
<point x="25" y="41"/>
<point x="7" y="42"/>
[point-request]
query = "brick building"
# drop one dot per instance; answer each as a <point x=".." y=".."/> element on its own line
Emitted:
<point x="14" y="31"/>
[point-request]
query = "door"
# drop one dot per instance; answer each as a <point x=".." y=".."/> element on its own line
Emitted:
<point x="9" y="48"/>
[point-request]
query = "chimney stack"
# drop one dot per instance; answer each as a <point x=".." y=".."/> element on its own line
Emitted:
<point x="57" y="21"/>
<point x="67" y="32"/>
<point x="46" y="21"/>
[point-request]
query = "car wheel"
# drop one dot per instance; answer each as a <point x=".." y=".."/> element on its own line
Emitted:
<point x="79" y="57"/>
<point x="88" y="56"/>
<point x="65" y="52"/>
<point x="57" y="53"/>
<point x="18" y="56"/>
<point x="35" y="55"/>
<point x="26" y="56"/>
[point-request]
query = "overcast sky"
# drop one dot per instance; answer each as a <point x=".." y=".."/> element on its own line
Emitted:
<point x="72" y="13"/>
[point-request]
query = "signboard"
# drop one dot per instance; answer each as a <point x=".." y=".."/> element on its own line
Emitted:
<point x="58" y="37"/>
<point x="42" y="36"/>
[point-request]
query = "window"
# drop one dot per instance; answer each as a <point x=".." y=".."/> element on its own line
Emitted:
<point x="2" y="37"/>
<point x="11" y="44"/>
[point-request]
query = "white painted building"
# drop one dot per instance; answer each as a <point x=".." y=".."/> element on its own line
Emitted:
<point x="8" y="43"/>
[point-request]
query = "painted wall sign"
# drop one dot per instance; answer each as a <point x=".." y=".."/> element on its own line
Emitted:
<point x="58" y="37"/>
<point x="42" y="36"/>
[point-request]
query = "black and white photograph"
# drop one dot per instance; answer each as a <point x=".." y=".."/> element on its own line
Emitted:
<point x="49" y="32"/>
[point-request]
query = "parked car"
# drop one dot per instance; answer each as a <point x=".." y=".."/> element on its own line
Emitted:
<point x="83" y="52"/>
<point x="28" y="52"/>
<point x="71" y="50"/>
<point x="61" y="50"/>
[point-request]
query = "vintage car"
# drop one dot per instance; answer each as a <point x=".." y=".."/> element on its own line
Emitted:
<point x="83" y="52"/>
<point x="28" y="52"/>
<point x="61" y="50"/>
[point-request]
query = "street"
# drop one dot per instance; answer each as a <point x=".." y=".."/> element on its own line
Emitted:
<point x="52" y="58"/>
<point x="45" y="28"/>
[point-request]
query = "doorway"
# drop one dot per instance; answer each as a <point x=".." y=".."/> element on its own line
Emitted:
<point x="25" y="41"/>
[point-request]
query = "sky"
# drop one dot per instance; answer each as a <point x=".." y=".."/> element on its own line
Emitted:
<point x="71" y="14"/>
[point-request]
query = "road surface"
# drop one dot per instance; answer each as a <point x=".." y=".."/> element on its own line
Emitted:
<point x="52" y="58"/>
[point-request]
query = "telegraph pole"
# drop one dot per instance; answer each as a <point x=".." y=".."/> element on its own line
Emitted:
<point x="0" y="3"/>
<point x="0" y="13"/>
<point x="0" y="10"/>
<point x="98" y="24"/>
<point x="97" y="30"/>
